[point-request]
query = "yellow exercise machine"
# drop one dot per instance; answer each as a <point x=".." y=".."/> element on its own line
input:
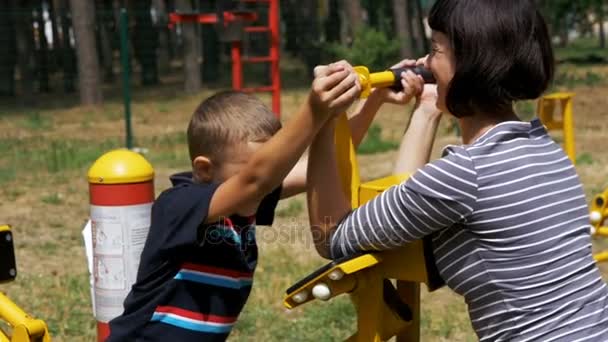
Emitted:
<point x="24" y="327"/>
<point x="598" y="215"/>
<point x="387" y="79"/>
<point x="563" y="121"/>
<point x="383" y="310"/>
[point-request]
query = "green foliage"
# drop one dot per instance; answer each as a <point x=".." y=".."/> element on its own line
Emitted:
<point x="370" y="47"/>
<point x="373" y="142"/>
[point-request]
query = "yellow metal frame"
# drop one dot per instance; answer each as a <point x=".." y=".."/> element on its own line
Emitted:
<point x="363" y="277"/>
<point x="598" y="214"/>
<point x="369" y="80"/>
<point x="24" y="327"/>
<point x="548" y="116"/>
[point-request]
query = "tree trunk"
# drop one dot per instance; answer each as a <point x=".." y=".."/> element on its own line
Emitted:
<point x="163" y="35"/>
<point x="333" y="22"/>
<point x="192" y="68"/>
<point x="25" y="47"/>
<point x="42" y="57"/>
<point x="9" y="51"/>
<point x="83" y="18"/>
<point x="68" y="55"/>
<point x="145" y="42"/>
<point x="105" y="21"/>
<point x="210" y="44"/>
<point x="424" y="43"/>
<point x="289" y="17"/>
<point x="600" y="19"/>
<point x="354" y="15"/>
<point x="401" y="27"/>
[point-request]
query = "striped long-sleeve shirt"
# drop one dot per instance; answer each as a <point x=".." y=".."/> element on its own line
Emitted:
<point x="510" y="232"/>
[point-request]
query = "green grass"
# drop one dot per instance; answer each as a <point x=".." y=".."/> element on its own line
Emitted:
<point x="584" y="159"/>
<point x="35" y="121"/>
<point x="53" y="199"/>
<point x="293" y="208"/>
<point x="582" y="49"/>
<point x="374" y="143"/>
<point x="333" y="321"/>
<point x="63" y="301"/>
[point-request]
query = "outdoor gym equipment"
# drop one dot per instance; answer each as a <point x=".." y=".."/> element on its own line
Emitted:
<point x="598" y="215"/>
<point x="564" y="120"/>
<point x="383" y="310"/>
<point x="24" y="327"/>
<point x="389" y="78"/>
<point x="232" y="28"/>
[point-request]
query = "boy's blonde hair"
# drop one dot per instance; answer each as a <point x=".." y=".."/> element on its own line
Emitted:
<point x="226" y="118"/>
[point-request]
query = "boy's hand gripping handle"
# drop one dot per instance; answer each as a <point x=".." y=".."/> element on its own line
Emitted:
<point x="390" y="78"/>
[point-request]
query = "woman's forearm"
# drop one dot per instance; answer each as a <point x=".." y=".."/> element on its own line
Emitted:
<point x="417" y="143"/>
<point x="327" y="204"/>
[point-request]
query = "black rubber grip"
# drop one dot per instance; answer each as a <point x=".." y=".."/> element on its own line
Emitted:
<point x="426" y="74"/>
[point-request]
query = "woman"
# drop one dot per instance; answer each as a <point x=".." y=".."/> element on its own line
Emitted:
<point x="505" y="209"/>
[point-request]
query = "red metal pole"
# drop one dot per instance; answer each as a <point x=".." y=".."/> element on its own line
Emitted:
<point x="237" y="66"/>
<point x="273" y="18"/>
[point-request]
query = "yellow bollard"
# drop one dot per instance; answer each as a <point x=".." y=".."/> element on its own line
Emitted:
<point x="546" y="113"/>
<point x="383" y="311"/>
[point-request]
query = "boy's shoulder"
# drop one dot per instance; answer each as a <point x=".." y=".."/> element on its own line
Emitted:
<point x="184" y="190"/>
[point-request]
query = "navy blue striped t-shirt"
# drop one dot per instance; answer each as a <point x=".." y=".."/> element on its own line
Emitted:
<point x="193" y="279"/>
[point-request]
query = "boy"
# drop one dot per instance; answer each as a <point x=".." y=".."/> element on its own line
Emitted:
<point x="197" y="265"/>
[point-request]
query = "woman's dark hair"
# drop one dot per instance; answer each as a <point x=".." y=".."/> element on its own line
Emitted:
<point x="502" y="51"/>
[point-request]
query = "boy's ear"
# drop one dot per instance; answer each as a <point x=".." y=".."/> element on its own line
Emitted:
<point x="202" y="168"/>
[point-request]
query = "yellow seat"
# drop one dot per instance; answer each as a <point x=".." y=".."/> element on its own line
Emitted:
<point x="383" y="311"/>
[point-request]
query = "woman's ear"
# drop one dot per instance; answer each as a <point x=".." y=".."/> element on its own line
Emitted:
<point x="202" y="169"/>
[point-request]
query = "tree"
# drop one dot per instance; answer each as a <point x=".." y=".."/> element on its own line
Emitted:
<point x="192" y="69"/>
<point x="68" y="55"/>
<point x="404" y="35"/>
<point x="83" y="19"/>
<point x="354" y="15"/>
<point x="163" y="35"/>
<point x="600" y="20"/>
<point x="145" y="42"/>
<point x="423" y="41"/>
<point x="105" y="31"/>
<point x="8" y="54"/>
<point x="42" y="51"/>
<point x="22" y="11"/>
<point x="210" y="42"/>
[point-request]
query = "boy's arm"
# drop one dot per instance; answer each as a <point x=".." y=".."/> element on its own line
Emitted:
<point x="334" y="89"/>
